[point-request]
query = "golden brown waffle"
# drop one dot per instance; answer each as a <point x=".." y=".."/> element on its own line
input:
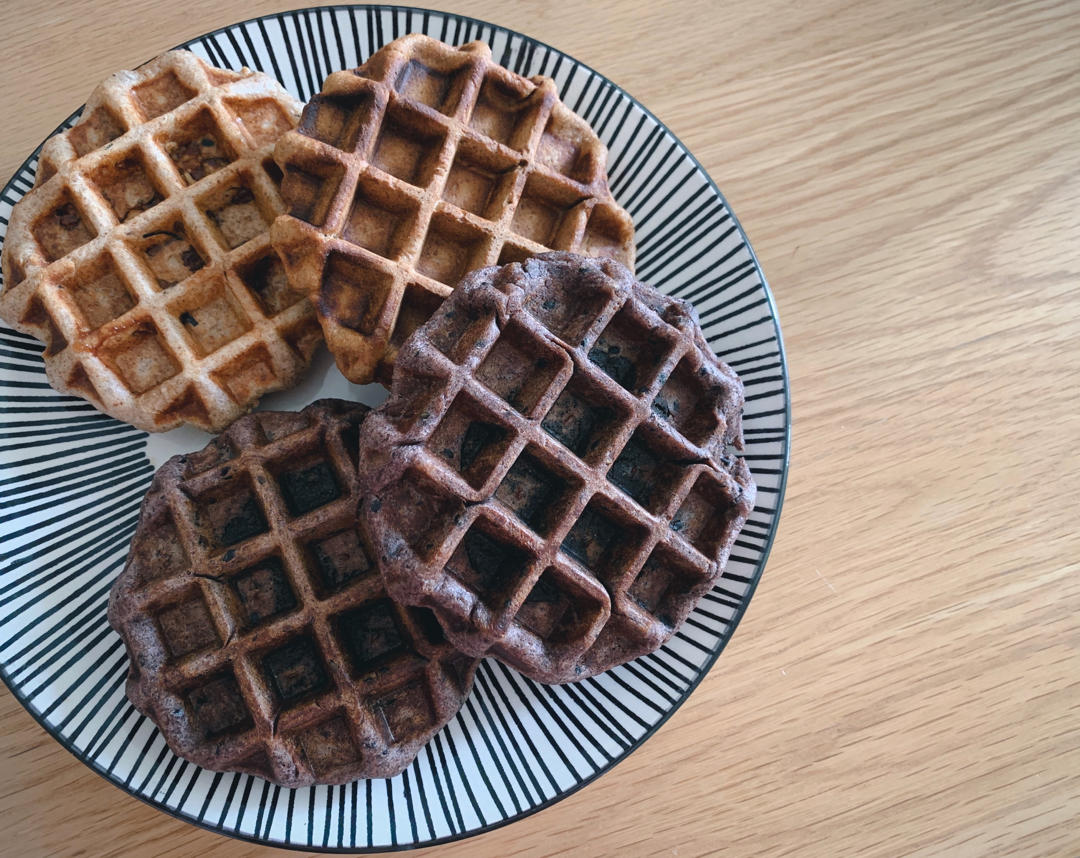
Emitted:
<point x="553" y="473"/>
<point x="426" y="162"/>
<point x="260" y="635"/>
<point x="142" y="255"/>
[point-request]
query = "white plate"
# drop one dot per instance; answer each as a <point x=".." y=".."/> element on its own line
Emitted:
<point x="71" y="481"/>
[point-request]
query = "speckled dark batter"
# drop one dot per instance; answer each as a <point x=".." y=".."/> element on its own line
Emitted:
<point x="260" y="634"/>
<point x="555" y="471"/>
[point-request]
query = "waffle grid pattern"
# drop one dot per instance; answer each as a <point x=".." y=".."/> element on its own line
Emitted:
<point x="425" y="163"/>
<point x="283" y="656"/>
<point x="562" y="489"/>
<point x="513" y="725"/>
<point x="142" y="255"/>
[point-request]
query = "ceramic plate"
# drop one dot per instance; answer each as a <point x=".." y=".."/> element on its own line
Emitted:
<point x="72" y="479"/>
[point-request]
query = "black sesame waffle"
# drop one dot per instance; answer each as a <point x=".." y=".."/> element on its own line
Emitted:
<point x="426" y="162"/>
<point x="142" y="255"/>
<point x="554" y="471"/>
<point x="260" y="634"/>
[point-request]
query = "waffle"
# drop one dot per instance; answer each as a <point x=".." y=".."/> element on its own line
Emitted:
<point x="260" y="635"/>
<point x="142" y="255"/>
<point x="423" y="164"/>
<point x="554" y="471"/>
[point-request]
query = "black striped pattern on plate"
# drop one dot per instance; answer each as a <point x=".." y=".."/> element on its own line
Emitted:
<point x="71" y="481"/>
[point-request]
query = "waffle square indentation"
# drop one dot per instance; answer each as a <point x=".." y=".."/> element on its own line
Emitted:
<point x="560" y="150"/>
<point x="605" y="233"/>
<point x="706" y="515"/>
<point x="218" y="706"/>
<point x="461" y="333"/>
<point x="237" y="213"/>
<point x="62" y="229"/>
<point x="630" y="351"/>
<point x="339" y="559"/>
<point x="408" y="146"/>
<point x="422" y="511"/>
<point x="161" y="94"/>
<point x="231" y="516"/>
<point x="100" y="292"/>
<point x="354" y="292"/>
<point x="685" y="402"/>
<point x="263" y="592"/>
<point x="249" y="375"/>
<point x="187" y="627"/>
<point x="309" y="486"/>
<point x="470" y="439"/>
<point x="488" y="566"/>
<point x="295" y="671"/>
<point x="664" y="584"/>
<point x="603" y="541"/>
<point x="513" y="251"/>
<point x="261" y="119"/>
<point x="127" y="186"/>
<point x="139" y="356"/>
<point x="504" y="111"/>
<point x="647" y="471"/>
<point x="338" y="119"/>
<point x="372" y="636"/>
<point x="543" y="213"/>
<point x="418" y="303"/>
<point x="407" y="711"/>
<point x="329" y="747"/>
<point x="558" y="611"/>
<point x="520" y="368"/>
<point x="436" y="88"/>
<point x="480" y="181"/>
<point x="265" y="278"/>
<point x="198" y="148"/>
<point x="568" y="307"/>
<point x="168" y="558"/>
<point x="169" y="254"/>
<point x="310" y="190"/>
<point x="535" y="491"/>
<point x="582" y="421"/>
<point x="451" y="248"/>
<point x="211" y="316"/>
<point x="381" y="218"/>
<point x="94" y="131"/>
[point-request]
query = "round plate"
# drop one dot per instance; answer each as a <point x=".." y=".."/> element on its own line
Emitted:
<point x="72" y="479"/>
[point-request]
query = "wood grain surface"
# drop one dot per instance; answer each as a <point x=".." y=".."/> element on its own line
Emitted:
<point x="906" y="679"/>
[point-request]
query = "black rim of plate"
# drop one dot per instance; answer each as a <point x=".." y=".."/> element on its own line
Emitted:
<point x="474" y="29"/>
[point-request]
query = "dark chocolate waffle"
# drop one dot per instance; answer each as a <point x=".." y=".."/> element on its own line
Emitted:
<point x="554" y="471"/>
<point x="260" y="634"/>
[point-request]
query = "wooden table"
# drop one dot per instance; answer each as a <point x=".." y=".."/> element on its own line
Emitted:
<point x="906" y="680"/>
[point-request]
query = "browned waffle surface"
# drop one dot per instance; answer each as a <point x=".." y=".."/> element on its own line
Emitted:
<point x="554" y="473"/>
<point x="423" y="164"/>
<point x="142" y="255"/>
<point x="260" y="634"/>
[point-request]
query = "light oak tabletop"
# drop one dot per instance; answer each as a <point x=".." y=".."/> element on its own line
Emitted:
<point x="907" y="679"/>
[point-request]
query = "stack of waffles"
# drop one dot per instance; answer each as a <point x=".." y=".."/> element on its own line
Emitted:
<point x="554" y="480"/>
